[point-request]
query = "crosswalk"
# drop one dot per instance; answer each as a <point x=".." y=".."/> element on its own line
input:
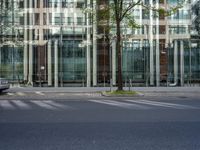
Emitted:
<point x="143" y="104"/>
<point x="120" y="104"/>
<point x="64" y="105"/>
<point x="43" y="94"/>
<point x="31" y="104"/>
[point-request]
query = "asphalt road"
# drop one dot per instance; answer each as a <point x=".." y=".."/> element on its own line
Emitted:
<point x="91" y="122"/>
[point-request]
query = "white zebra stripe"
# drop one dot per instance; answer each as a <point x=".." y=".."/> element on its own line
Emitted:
<point x="40" y="93"/>
<point x="6" y="104"/>
<point x="162" y="104"/>
<point x="43" y="105"/>
<point x="52" y="103"/>
<point x="120" y="104"/>
<point x="21" y="104"/>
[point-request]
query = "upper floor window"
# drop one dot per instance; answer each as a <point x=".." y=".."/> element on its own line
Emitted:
<point x="79" y="21"/>
<point x="21" y="4"/>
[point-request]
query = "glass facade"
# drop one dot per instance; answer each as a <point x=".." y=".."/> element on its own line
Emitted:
<point x="135" y="61"/>
<point x="73" y="61"/>
<point x="56" y="43"/>
<point x="11" y="63"/>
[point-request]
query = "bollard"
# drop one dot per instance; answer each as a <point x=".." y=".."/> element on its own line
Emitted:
<point x="130" y="84"/>
<point x="111" y="83"/>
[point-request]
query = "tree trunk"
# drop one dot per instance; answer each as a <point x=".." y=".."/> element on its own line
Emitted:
<point x="119" y="56"/>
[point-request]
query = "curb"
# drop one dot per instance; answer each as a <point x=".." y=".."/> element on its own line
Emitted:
<point x="139" y="94"/>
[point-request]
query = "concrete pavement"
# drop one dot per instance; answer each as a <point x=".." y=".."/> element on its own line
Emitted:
<point x="100" y="89"/>
<point x="144" y="91"/>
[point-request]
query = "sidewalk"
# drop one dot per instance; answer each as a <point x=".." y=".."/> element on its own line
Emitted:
<point x="100" y="89"/>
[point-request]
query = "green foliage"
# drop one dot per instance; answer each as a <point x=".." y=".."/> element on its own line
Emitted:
<point x="121" y="92"/>
<point x="131" y="21"/>
<point x="103" y="14"/>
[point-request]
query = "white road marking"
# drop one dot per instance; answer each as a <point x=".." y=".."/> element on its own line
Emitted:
<point x="52" y="103"/>
<point x="162" y="104"/>
<point x="120" y="104"/>
<point x="40" y="93"/>
<point x="21" y="104"/>
<point x="11" y="94"/>
<point x="6" y="104"/>
<point x="43" y="104"/>
<point x="20" y="93"/>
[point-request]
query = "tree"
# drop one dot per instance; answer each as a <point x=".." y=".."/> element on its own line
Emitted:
<point x="119" y="11"/>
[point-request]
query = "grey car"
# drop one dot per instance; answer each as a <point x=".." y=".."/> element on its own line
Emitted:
<point x="4" y="84"/>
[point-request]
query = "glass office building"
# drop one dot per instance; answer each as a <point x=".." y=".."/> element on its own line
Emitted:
<point x="55" y="43"/>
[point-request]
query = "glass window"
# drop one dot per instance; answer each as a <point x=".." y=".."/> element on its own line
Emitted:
<point x="79" y="20"/>
<point x="70" y="20"/>
<point x="145" y="14"/>
<point x="37" y="19"/>
<point x="74" y="61"/>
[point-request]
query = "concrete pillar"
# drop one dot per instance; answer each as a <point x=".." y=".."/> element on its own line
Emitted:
<point x="151" y="60"/>
<point x="0" y="56"/>
<point x="56" y="63"/>
<point x="175" y="61"/>
<point x="182" y="63"/>
<point x="49" y="64"/>
<point x="26" y="44"/>
<point x="30" y="75"/>
<point x="88" y="47"/>
<point x="157" y="49"/>
<point x="114" y="62"/>
<point x="94" y="46"/>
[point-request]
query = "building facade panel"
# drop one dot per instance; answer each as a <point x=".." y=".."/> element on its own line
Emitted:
<point x="56" y="43"/>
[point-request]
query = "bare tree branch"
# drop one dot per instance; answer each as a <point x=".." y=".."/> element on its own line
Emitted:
<point x="131" y="6"/>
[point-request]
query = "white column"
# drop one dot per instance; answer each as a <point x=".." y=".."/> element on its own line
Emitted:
<point x="56" y="63"/>
<point x="0" y="55"/>
<point x="30" y="75"/>
<point x="151" y="62"/>
<point x="157" y="49"/>
<point x="88" y="47"/>
<point x="26" y="44"/>
<point x="94" y="45"/>
<point x="41" y="9"/>
<point x="182" y="63"/>
<point x="49" y="64"/>
<point x="175" y="61"/>
<point x="114" y="62"/>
